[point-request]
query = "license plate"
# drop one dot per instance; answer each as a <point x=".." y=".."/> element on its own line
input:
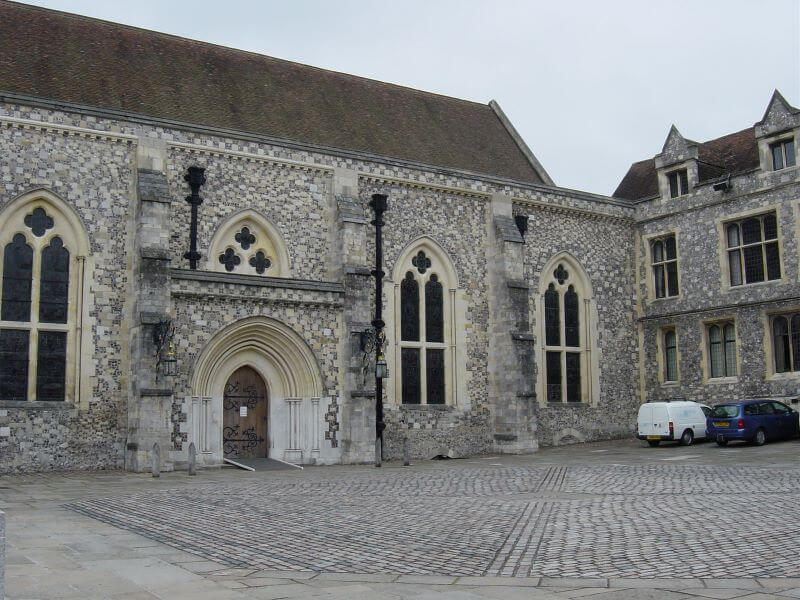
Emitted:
<point x="653" y="437"/>
<point x="722" y="424"/>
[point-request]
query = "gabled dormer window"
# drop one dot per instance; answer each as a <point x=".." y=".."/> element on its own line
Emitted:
<point x="782" y="154"/>
<point x="678" y="183"/>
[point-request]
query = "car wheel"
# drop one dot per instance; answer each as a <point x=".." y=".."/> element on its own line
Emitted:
<point x="687" y="439"/>
<point x="652" y="443"/>
<point x="760" y="437"/>
<point x="722" y="442"/>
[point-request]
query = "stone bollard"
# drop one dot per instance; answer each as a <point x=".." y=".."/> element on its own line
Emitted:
<point x="156" y="459"/>
<point x="406" y="452"/>
<point x="192" y="459"/>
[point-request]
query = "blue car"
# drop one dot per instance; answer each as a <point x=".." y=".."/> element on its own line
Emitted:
<point x="753" y="421"/>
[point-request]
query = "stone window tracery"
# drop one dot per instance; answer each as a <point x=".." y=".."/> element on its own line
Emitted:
<point x="426" y="345"/>
<point x="43" y="266"/>
<point x="565" y="367"/>
<point x="248" y="244"/>
<point x="722" y="349"/>
<point x="664" y="254"/>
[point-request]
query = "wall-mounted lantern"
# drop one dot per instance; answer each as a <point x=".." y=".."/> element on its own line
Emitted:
<point x="166" y="363"/>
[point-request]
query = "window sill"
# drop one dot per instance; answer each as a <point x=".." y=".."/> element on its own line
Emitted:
<point x="35" y="405"/>
<point x="721" y="380"/>
<point x="670" y="384"/>
<point x="665" y="298"/>
<point x="566" y="405"/>
<point x="787" y="376"/>
<point x="442" y="407"/>
<point x="747" y="286"/>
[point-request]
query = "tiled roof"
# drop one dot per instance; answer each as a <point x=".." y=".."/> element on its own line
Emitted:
<point x="75" y="59"/>
<point x="728" y="154"/>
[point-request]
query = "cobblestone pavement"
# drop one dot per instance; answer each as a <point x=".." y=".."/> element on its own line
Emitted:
<point x="607" y="521"/>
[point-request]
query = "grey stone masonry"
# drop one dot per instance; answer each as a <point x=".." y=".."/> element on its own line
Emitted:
<point x="2" y="553"/>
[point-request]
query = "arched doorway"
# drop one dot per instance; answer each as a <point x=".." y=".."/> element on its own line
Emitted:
<point x="245" y="412"/>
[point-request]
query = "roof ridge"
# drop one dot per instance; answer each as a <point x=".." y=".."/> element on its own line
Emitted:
<point x="181" y="38"/>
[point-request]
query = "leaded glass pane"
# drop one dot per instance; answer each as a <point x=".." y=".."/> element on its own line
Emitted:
<point x="684" y="177"/>
<point x="14" y="364"/>
<point x="553" y="360"/>
<point x="409" y="309"/>
<point x="788" y="149"/>
<point x="409" y="358"/>
<point x="716" y="353"/>
<point x="780" y="336"/>
<point x="51" y="364"/>
<point x="669" y="246"/>
<point x="735" y="263"/>
<point x="552" y="318"/>
<point x="773" y="261"/>
<point x="730" y="350"/>
<point x="670" y="356"/>
<point x="434" y="371"/>
<point x="770" y="227"/>
<point x="55" y="283"/>
<point x="17" y="274"/>
<point x="753" y="264"/>
<point x="673" y="185"/>
<point x="777" y="157"/>
<point x="751" y="231"/>
<point x="658" y="277"/>
<point x="795" y="323"/>
<point x="672" y="279"/>
<point x="434" y="311"/>
<point x="733" y="236"/>
<point x="573" y="360"/>
<point x="572" y="336"/>
<point x="658" y="251"/>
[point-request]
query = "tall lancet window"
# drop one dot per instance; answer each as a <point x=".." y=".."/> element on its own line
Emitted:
<point x="425" y="304"/>
<point x="43" y="263"/>
<point x="565" y="367"/>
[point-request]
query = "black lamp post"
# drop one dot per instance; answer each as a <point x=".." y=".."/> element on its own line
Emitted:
<point x="378" y="205"/>
<point x="195" y="178"/>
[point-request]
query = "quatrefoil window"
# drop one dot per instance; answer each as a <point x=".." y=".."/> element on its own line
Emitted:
<point x="39" y="222"/>
<point x="229" y="259"/>
<point x="260" y="262"/>
<point x="422" y="262"/>
<point x="561" y="274"/>
<point x="245" y="238"/>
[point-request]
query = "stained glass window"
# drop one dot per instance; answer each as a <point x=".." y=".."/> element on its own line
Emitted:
<point x="14" y="364"/>
<point x="572" y="332"/>
<point x="409" y="308"/>
<point x="553" y="376"/>
<point x="552" y="320"/>
<point x="409" y="358"/>
<point x="434" y="364"/>
<point x="573" y="364"/>
<point x="54" y="283"/>
<point x="17" y="275"/>
<point x="51" y="365"/>
<point x="434" y="310"/>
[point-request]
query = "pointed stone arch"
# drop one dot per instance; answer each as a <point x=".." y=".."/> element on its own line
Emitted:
<point x="41" y="220"/>
<point x="261" y="251"/>
<point x="564" y="277"/>
<point x="432" y="270"/>
<point x="274" y="349"/>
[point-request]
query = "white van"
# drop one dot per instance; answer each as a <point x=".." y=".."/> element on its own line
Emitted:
<point x="663" y="421"/>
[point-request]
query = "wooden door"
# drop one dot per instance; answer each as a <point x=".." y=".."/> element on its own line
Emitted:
<point x="245" y="410"/>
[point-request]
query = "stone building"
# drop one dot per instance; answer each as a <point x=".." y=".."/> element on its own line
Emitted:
<point x="716" y="247"/>
<point x="516" y="310"/>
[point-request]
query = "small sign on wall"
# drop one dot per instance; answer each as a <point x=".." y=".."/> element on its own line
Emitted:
<point x="242" y="411"/>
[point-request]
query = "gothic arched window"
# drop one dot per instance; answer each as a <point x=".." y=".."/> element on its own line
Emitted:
<point x="565" y="367"/>
<point x="426" y="338"/>
<point x="43" y="254"/>
<point x="248" y="244"/>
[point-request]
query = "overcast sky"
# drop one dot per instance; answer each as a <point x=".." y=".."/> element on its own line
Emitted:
<point x="592" y="86"/>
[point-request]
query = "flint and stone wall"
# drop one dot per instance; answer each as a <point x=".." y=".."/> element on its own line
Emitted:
<point x="125" y="180"/>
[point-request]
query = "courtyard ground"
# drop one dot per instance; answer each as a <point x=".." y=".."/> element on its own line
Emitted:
<point x="604" y="521"/>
